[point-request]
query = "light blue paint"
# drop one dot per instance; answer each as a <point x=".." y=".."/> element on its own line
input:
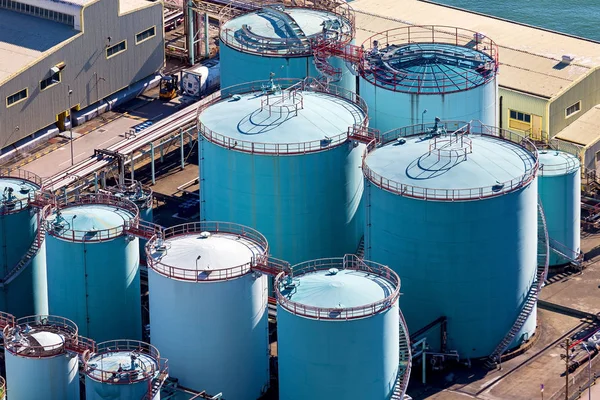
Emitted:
<point x="471" y="261"/>
<point x="18" y="227"/>
<point x="308" y="205"/>
<point x="354" y="359"/>
<point x="559" y="185"/>
<point x="242" y="62"/>
<point x="95" y="284"/>
<point x="117" y="388"/>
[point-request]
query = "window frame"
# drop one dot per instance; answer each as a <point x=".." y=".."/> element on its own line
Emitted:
<point x="59" y="73"/>
<point x="569" y="115"/>
<point x="18" y="101"/>
<point x="118" y="52"/>
<point x="525" y="124"/>
<point x="153" y="28"/>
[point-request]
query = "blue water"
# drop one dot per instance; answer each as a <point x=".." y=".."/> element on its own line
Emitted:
<point x="575" y="17"/>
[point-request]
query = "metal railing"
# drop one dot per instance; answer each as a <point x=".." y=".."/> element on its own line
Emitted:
<point x="93" y="363"/>
<point x="348" y="262"/>
<point x="403" y="81"/>
<point x="407" y="190"/>
<point x="287" y="47"/>
<point x="16" y="205"/>
<point x="97" y="235"/>
<point x="65" y="330"/>
<point x="203" y="274"/>
<point x="305" y="85"/>
<point x="566" y="164"/>
<point x="129" y="188"/>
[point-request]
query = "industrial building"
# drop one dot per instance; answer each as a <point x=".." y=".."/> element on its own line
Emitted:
<point x="341" y="334"/>
<point x="93" y="265"/>
<point x="453" y="209"/>
<point x="68" y="55"/>
<point x="280" y="40"/>
<point x="547" y="79"/>
<point x="282" y="163"/>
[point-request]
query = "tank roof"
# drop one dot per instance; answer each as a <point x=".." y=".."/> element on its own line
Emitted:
<point x="429" y="59"/>
<point x="556" y="163"/>
<point x="206" y="251"/>
<point x="17" y="188"/>
<point x="91" y="218"/>
<point x="295" y="120"/>
<point x="135" y="192"/>
<point x="122" y="362"/>
<point x="280" y="31"/>
<point x="40" y="336"/>
<point x="451" y="162"/>
<point x="337" y="288"/>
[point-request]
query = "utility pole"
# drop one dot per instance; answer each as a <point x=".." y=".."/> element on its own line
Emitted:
<point x="566" y="357"/>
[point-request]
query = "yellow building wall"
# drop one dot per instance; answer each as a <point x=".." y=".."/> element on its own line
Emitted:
<point x="523" y="103"/>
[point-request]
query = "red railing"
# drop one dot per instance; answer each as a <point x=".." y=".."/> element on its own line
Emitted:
<point x="16" y="205"/>
<point x="306" y="85"/>
<point x="98" y="235"/>
<point x="348" y="262"/>
<point x="93" y="366"/>
<point x="403" y="81"/>
<point x="130" y="188"/>
<point x="291" y="47"/>
<point x="203" y="274"/>
<point x="406" y="190"/>
<point x="66" y="331"/>
<point x="6" y="319"/>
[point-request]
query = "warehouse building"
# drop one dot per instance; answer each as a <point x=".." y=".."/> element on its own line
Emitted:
<point x="547" y="80"/>
<point x="62" y="55"/>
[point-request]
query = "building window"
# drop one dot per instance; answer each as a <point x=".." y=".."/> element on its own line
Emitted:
<point x="17" y="97"/>
<point x="519" y="120"/>
<point x="575" y="108"/>
<point x="145" y="35"/>
<point x="116" y="49"/>
<point x="51" y="81"/>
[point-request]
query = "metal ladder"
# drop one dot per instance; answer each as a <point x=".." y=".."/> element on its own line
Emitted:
<point x="290" y="23"/>
<point x="533" y="294"/>
<point x="360" y="250"/>
<point x="404" y="361"/>
<point x="29" y="255"/>
<point x="155" y="384"/>
<point x="575" y="259"/>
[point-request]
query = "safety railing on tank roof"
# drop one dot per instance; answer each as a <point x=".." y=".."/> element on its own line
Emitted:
<point x="402" y="81"/>
<point x="406" y="190"/>
<point x="568" y="164"/>
<point x="94" y="235"/>
<point x="16" y="205"/>
<point x="16" y="341"/>
<point x="204" y="274"/>
<point x="93" y="366"/>
<point x="130" y="186"/>
<point x="348" y="262"/>
<point x="306" y="85"/>
<point x="286" y="47"/>
<point x="6" y="319"/>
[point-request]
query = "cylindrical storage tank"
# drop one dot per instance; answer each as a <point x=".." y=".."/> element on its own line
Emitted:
<point x="279" y="40"/>
<point x="417" y="73"/>
<point x="93" y="266"/>
<point x="123" y="370"/>
<point x="339" y="331"/>
<point x="282" y="162"/>
<point x="23" y="265"/>
<point x="208" y="307"/>
<point x="559" y="185"/>
<point x="141" y="196"/>
<point x="454" y="213"/>
<point x="40" y="363"/>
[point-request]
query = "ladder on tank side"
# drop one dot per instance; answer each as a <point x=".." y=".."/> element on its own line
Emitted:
<point x="324" y="49"/>
<point x="156" y="383"/>
<point x="404" y="362"/>
<point x="543" y="259"/>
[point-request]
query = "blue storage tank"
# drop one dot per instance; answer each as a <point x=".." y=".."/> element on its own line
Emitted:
<point x="416" y="73"/>
<point x="559" y="185"/>
<point x="340" y="332"/>
<point x="208" y="307"/>
<point x="93" y="266"/>
<point x="283" y="163"/>
<point x="454" y="212"/>
<point x="279" y="40"/>
<point x="22" y="256"/>
<point x="124" y="370"/>
<point x="141" y="196"/>
<point x="39" y="361"/>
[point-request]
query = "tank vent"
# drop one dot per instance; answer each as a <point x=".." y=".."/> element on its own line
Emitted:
<point x="333" y="271"/>
<point x="24" y="189"/>
<point x="204" y="235"/>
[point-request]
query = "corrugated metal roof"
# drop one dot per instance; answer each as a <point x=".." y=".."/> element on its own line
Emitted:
<point x="529" y="57"/>
<point x="585" y="130"/>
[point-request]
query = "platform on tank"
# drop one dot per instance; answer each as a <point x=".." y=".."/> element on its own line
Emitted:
<point x="87" y="219"/>
<point x="121" y="367"/>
